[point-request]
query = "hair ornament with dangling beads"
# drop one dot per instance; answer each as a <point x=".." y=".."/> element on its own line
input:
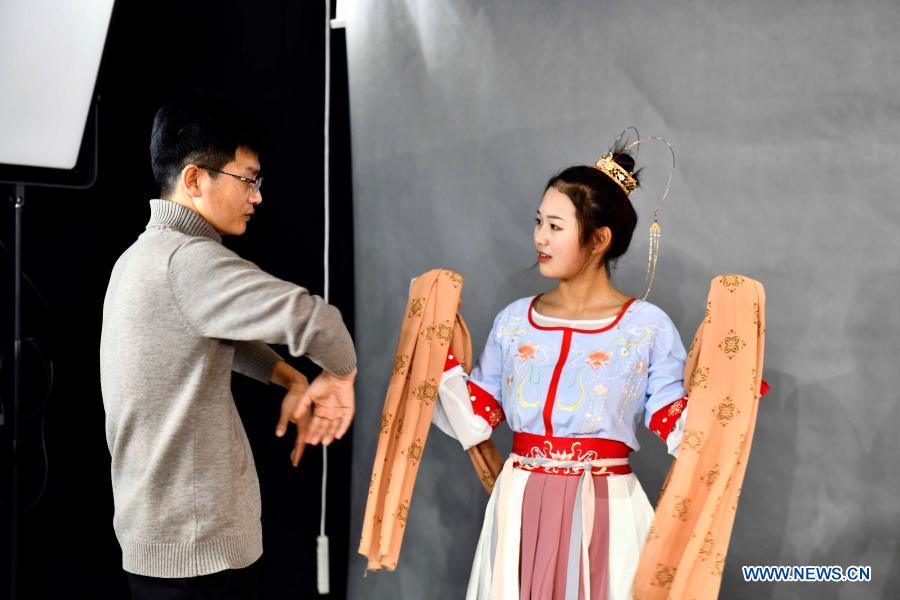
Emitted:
<point x="607" y="165"/>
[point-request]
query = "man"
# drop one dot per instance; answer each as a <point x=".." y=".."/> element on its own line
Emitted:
<point x="181" y="312"/>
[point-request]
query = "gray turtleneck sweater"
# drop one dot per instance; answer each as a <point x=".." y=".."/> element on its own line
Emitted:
<point x="181" y="312"/>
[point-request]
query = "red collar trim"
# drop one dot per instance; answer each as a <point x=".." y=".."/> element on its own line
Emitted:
<point x="563" y="328"/>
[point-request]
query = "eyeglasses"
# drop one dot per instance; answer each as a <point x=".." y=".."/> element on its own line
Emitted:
<point x="255" y="184"/>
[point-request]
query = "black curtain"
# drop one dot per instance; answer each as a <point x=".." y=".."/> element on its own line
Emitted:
<point x="269" y="58"/>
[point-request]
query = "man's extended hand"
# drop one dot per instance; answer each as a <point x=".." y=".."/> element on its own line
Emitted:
<point x="295" y="392"/>
<point x="333" y="404"/>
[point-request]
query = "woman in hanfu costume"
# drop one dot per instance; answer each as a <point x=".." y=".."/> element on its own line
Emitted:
<point x="574" y="372"/>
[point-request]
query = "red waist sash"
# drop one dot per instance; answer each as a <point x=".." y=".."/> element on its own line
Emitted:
<point x="569" y="449"/>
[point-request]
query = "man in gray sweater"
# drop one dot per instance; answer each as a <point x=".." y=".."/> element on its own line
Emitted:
<point x="181" y="313"/>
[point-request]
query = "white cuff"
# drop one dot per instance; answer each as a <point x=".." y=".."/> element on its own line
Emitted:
<point x="674" y="439"/>
<point x="453" y="413"/>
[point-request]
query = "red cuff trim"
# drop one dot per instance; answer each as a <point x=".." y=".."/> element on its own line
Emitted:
<point x="450" y="362"/>
<point x="663" y="421"/>
<point x="765" y="387"/>
<point x="485" y="406"/>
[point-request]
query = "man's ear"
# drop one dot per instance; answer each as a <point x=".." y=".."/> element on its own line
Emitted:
<point x="190" y="180"/>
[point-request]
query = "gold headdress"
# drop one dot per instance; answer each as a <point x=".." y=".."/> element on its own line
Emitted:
<point x="627" y="182"/>
<point x="617" y="173"/>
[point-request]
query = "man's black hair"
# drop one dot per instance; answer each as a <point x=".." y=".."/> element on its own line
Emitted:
<point x="199" y="129"/>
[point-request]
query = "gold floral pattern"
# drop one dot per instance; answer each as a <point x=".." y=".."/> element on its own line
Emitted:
<point x="428" y="332"/>
<point x="719" y="566"/>
<point x="385" y="422"/>
<point x="664" y="576"/>
<point x="692" y="439"/>
<point x="496" y="417"/>
<point x="726" y="411"/>
<point x="731" y="282"/>
<point x="403" y="513"/>
<point x="710" y="478"/>
<point x="707" y="316"/>
<point x="732" y="344"/>
<point x="415" y="307"/>
<point x="444" y="332"/>
<point x="426" y="392"/>
<point x="455" y="277"/>
<point x="400" y="363"/>
<point x="681" y="508"/>
<point x="700" y="378"/>
<point x="706" y="548"/>
<point x="414" y="451"/>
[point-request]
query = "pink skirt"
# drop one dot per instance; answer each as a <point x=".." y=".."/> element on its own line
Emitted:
<point x="549" y="552"/>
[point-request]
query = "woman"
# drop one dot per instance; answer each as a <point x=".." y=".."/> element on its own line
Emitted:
<point x="574" y="372"/>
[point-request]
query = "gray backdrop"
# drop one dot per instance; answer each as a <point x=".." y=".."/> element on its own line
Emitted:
<point x="785" y="117"/>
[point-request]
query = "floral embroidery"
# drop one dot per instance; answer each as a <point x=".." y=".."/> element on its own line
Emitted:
<point x="732" y="344"/>
<point x="706" y="549"/>
<point x="681" y="508"/>
<point x="426" y="392"/>
<point x="664" y="576"/>
<point x="692" y="439"/>
<point x="416" y="306"/>
<point x="700" y="378"/>
<point x="562" y="454"/>
<point x="719" y="566"/>
<point x="731" y="282"/>
<point x="600" y="389"/>
<point x="725" y="411"/>
<point x="414" y="452"/>
<point x="676" y="407"/>
<point x="640" y="367"/>
<point x="403" y="513"/>
<point x="597" y="359"/>
<point x="444" y="332"/>
<point x="526" y="351"/>
<point x="399" y="363"/>
<point x="711" y="476"/>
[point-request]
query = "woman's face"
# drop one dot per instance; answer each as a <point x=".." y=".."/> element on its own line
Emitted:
<point x="557" y="237"/>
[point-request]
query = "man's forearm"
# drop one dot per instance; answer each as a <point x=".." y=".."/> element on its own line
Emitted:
<point x="285" y="375"/>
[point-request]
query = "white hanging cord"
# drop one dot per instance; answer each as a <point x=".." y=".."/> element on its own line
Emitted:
<point x="322" y="570"/>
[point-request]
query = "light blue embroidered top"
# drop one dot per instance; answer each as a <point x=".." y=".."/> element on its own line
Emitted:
<point x="566" y="382"/>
